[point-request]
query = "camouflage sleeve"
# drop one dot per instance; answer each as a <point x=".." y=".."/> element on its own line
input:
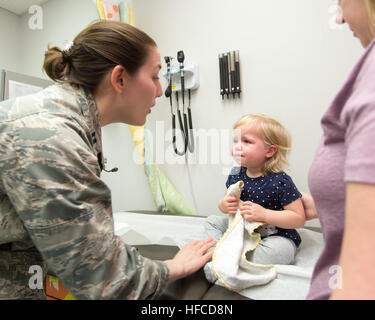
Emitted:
<point x="54" y="186"/>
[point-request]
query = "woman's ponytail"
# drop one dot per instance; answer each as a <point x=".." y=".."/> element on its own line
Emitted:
<point x="56" y="67"/>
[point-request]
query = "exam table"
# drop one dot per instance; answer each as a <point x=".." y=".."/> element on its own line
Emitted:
<point x="193" y="287"/>
<point x="159" y="236"/>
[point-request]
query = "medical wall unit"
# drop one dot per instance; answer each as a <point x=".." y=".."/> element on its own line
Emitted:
<point x="182" y="77"/>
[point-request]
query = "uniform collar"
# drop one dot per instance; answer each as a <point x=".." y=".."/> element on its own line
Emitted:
<point x="89" y="109"/>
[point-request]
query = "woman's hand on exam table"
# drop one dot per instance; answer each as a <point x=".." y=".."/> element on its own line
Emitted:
<point x="190" y="259"/>
<point x="309" y="206"/>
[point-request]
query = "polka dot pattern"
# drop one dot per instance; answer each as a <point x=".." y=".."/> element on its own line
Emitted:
<point x="273" y="191"/>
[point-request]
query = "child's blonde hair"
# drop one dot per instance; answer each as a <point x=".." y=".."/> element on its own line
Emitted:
<point x="273" y="133"/>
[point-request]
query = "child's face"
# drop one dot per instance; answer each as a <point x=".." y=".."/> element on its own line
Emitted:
<point x="249" y="149"/>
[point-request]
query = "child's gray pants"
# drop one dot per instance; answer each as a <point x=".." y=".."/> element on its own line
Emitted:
<point x="270" y="250"/>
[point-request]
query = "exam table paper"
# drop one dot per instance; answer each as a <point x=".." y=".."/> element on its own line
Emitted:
<point x="158" y="229"/>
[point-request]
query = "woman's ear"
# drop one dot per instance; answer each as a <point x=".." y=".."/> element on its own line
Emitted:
<point x="271" y="151"/>
<point x="118" y="78"/>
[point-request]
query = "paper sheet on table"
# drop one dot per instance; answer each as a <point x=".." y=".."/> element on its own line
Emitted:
<point x="159" y="229"/>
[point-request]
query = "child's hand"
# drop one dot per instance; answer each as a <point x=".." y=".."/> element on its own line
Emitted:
<point x="253" y="212"/>
<point x="229" y="205"/>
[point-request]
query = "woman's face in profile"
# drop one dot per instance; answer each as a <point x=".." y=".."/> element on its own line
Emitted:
<point x="143" y="88"/>
<point x="354" y="13"/>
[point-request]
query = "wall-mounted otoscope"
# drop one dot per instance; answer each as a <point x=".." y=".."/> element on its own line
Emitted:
<point x="188" y="128"/>
<point x="230" y="83"/>
<point x="181" y="59"/>
<point x="168" y="91"/>
<point x="181" y="78"/>
<point x="169" y="94"/>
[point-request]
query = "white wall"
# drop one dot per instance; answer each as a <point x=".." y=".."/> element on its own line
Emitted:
<point x="62" y="21"/>
<point x="10" y="45"/>
<point x="292" y="64"/>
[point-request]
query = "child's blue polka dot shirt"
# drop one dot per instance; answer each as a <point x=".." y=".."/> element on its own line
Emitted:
<point x="272" y="191"/>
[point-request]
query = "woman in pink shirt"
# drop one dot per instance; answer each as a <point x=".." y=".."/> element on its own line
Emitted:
<point x="342" y="175"/>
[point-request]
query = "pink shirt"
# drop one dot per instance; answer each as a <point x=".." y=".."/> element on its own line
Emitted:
<point x="346" y="154"/>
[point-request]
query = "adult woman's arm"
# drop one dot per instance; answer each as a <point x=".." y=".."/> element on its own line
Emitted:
<point x="190" y="258"/>
<point x="309" y="206"/>
<point x="357" y="258"/>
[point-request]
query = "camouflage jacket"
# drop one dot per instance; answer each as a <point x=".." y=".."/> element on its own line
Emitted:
<point x="55" y="211"/>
